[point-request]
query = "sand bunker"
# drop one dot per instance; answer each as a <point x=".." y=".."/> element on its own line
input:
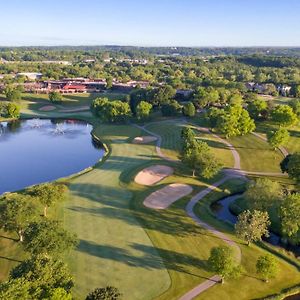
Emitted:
<point x="47" y="108"/>
<point x="164" y="197"/>
<point x="153" y="174"/>
<point x="144" y="139"/>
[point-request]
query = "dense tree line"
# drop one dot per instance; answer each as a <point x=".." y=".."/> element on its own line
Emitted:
<point x="43" y="275"/>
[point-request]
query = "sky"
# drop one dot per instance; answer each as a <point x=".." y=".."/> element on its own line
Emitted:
<point x="150" y="23"/>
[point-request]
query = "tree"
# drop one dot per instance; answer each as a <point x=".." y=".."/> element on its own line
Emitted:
<point x="262" y="194"/>
<point x="235" y="121"/>
<point x="107" y="293"/>
<point x="295" y="105"/>
<point x="221" y="261"/>
<point x="267" y="267"/>
<point x="189" y="109"/>
<point x="109" y="82"/>
<point x="257" y="108"/>
<point x="9" y="110"/>
<point x="291" y="165"/>
<point x="17" y="212"/>
<point x="43" y="275"/>
<point x="295" y="91"/>
<point x="49" y="238"/>
<point x="289" y="214"/>
<point x="171" y="108"/>
<point x="252" y="225"/>
<point x="143" y="110"/>
<point x="12" y="93"/>
<point x="213" y="115"/>
<point x="55" y="97"/>
<point x="163" y="95"/>
<point x="205" y="96"/>
<point x="278" y="138"/>
<point x="15" y="289"/>
<point x="49" y="194"/>
<point x="197" y="156"/>
<point x="111" y="111"/>
<point x="284" y="115"/>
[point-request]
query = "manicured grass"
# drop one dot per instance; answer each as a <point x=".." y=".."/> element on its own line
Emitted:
<point x="293" y="143"/>
<point x="177" y="238"/>
<point x="221" y="151"/>
<point x="151" y="254"/>
<point x="256" y="154"/>
<point x="249" y="285"/>
<point x="114" y="249"/>
<point x="33" y="102"/>
<point x="170" y="132"/>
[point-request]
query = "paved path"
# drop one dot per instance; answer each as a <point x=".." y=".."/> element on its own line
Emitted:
<point x="235" y="172"/>
<point x="194" y="200"/>
<point x="158" y="143"/>
<point x="281" y="148"/>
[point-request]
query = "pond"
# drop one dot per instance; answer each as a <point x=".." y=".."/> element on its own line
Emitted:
<point x="35" y="151"/>
<point x="222" y="211"/>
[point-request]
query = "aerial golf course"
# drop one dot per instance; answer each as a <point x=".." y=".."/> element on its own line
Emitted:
<point x="159" y="253"/>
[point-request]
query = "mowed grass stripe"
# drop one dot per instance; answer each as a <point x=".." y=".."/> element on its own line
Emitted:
<point x="111" y="238"/>
<point x="256" y="154"/>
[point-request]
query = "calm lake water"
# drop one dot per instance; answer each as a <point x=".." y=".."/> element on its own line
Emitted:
<point x="36" y="151"/>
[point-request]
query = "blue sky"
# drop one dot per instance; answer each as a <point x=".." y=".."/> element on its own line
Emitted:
<point x="151" y="23"/>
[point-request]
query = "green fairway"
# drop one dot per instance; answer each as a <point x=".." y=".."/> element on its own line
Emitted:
<point x="221" y="151"/>
<point x="33" y="102"/>
<point x="256" y="154"/>
<point x="114" y="249"/>
<point x="170" y="132"/>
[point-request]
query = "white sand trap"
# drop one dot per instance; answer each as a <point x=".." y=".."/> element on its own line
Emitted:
<point x="153" y="174"/>
<point x="47" y="108"/>
<point x="144" y="139"/>
<point x="164" y="197"/>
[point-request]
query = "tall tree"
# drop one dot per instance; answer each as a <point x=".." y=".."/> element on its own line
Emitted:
<point x="221" y="261"/>
<point x="106" y="293"/>
<point x="17" y="212"/>
<point x="43" y="274"/>
<point x="289" y="214"/>
<point x="48" y="194"/>
<point x="143" y="110"/>
<point x="252" y="225"/>
<point x="48" y="237"/>
<point x="267" y="267"/>
<point x="189" y="109"/>
<point x="257" y="108"/>
<point x="291" y="165"/>
<point x="262" y="194"/>
<point x="278" y="138"/>
<point x="284" y="115"/>
<point x="55" y="97"/>
<point x="12" y="93"/>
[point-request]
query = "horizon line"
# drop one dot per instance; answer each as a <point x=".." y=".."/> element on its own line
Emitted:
<point x="142" y="46"/>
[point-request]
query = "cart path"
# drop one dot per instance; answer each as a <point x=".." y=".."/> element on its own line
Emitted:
<point x="195" y="199"/>
<point x="282" y="149"/>
<point x="230" y="173"/>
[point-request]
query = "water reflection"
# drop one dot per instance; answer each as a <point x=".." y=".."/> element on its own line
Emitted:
<point x="36" y="150"/>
